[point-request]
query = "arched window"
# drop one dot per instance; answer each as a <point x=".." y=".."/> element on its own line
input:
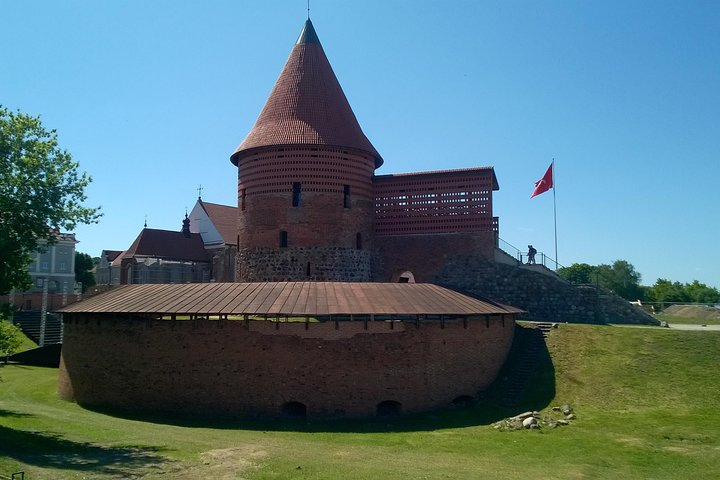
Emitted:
<point x="406" y="277"/>
<point x="283" y="239"/>
<point x="402" y="276"/>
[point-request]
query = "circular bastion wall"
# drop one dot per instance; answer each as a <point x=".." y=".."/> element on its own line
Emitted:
<point x="267" y="368"/>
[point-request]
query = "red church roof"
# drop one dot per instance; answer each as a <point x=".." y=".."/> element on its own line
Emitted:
<point x="307" y="106"/>
<point x="169" y="245"/>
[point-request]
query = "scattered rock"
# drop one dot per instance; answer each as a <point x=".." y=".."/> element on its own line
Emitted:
<point x="530" y="422"/>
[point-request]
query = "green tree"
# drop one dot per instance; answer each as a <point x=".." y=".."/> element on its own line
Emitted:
<point x="666" y="291"/>
<point x="84" y="264"/>
<point x="41" y="191"/>
<point x="11" y="338"/>
<point x="622" y="278"/>
<point x="697" y="292"/>
<point x="578" y="273"/>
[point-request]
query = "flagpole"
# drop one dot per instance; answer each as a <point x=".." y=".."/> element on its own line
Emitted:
<point x="555" y="212"/>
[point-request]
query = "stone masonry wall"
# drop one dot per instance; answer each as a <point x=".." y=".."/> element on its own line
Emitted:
<point x="224" y="263"/>
<point x="304" y="264"/>
<point x="225" y="368"/>
<point x="545" y="297"/>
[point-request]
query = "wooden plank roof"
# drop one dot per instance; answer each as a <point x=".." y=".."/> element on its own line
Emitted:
<point x="288" y="298"/>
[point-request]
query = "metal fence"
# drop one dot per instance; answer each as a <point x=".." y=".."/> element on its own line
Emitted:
<point x="540" y="257"/>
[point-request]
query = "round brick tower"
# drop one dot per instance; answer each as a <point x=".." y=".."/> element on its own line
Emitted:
<point x="305" y="192"/>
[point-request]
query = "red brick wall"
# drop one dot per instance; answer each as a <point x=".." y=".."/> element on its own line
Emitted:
<point x="266" y="183"/>
<point x="222" y="368"/>
<point x="265" y="198"/>
<point x="426" y="255"/>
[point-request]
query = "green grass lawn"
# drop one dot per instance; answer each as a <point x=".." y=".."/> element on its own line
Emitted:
<point x="646" y="401"/>
<point x="26" y="344"/>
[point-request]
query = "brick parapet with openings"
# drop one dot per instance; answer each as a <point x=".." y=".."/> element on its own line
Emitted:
<point x="446" y="201"/>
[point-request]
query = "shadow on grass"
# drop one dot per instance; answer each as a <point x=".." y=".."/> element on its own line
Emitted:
<point x="530" y="365"/>
<point x="48" y="450"/>
<point x="490" y="407"/>
<point x="11" y="414"/>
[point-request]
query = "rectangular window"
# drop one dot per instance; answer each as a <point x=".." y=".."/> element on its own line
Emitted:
<point x="346" y="196"/>
<point x="45" y="266"/>
<point x="61" y="267"/>
<point x="283" y="239"/>
<point x="296" y="194"/>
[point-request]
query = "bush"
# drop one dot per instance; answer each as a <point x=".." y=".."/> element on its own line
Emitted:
<point x="11" y="337"/>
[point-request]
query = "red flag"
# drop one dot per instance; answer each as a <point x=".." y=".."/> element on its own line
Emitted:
<point x="545" y="183"/>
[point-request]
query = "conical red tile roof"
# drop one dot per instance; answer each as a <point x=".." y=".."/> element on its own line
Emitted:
<point x="307" y="106"/>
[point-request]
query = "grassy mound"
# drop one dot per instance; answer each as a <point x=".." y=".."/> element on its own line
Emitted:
<point x="645" y="399"/>
<point x="697" y="314"/>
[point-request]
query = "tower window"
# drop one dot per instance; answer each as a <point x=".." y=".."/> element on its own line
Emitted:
<point x="358" y="241"/>
<point x="242" y="199"/>
<point x="346" y="196"/>
<point x="296" y="194"/>
<point x="283" y="239"/>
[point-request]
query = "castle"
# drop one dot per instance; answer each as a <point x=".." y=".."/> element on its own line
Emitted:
<point x="331" y="314"/>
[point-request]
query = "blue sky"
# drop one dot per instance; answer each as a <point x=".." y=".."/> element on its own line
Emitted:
<point x="151" y="98"/>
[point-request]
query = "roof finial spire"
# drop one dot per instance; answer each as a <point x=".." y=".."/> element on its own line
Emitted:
<point x="200" y="189"/>
<point x="308" y="9"/>
<point x="145" y="225"/>
<point x="186" y="225"/>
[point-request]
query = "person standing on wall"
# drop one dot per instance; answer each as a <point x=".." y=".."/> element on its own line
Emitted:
<point x="531" y="255"/>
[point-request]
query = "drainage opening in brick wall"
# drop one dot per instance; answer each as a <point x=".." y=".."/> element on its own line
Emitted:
<point x="463" y="401"/>
<point x="294" y="410"/>
<point x="389" y="408"/>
